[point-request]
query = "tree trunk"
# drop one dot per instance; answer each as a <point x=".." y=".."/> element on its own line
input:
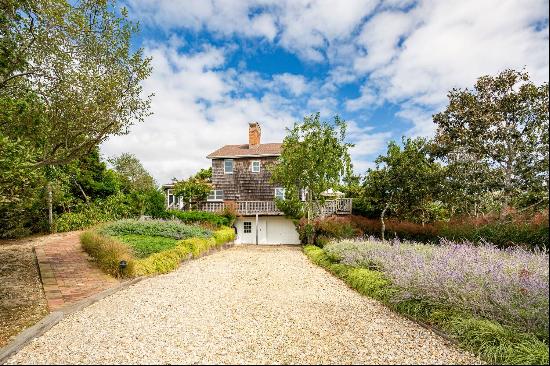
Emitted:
<point x="50" y="209"/>
<point x="382" y="220"/>
<point x="82" y="191"/>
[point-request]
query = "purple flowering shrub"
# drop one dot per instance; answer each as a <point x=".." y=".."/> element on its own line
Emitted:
<point x="508" y="285"/>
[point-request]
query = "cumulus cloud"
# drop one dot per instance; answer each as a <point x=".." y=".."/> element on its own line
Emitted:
<point x="200" y="106"/>
<point x="401" y="52"/>
<point x="438" y="45"/>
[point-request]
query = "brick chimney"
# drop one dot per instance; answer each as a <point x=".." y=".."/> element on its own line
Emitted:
<point x="254" y="134"/>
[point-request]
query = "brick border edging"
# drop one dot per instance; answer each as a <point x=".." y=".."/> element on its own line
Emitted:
<point x="55" y="317"/>
<point x="47" y="277"/>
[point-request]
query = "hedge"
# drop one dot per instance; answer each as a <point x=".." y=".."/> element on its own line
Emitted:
<point x="531" y="232"/>
<point x="108" y="252"/>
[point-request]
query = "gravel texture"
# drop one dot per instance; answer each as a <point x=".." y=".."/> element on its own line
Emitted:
<point x="253" y="305"/>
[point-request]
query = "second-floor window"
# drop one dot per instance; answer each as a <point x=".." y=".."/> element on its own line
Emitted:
<point x="215" y="195"/>
<point x="255" y="166"/>
<point x="228" y="166"/>
<point x="280" y="193"/>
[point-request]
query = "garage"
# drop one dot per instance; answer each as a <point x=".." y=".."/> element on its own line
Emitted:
<point x="266" y="230"/>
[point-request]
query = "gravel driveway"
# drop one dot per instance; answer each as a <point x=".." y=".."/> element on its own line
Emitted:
<point x="242" y="305"/>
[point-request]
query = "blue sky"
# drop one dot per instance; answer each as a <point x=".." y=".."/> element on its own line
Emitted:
<point x="383" y="66"/>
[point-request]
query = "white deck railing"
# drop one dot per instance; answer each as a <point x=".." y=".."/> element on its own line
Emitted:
<point x="340" y="206"/>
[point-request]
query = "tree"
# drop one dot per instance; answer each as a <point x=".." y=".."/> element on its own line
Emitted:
<point x="71" y="63"/>
<point x="494" y="139"/>
<point x="314" y="158"/>
<point x="196" y="188"/>
<point x="406" y="181"/>
<point x="132" y="172"/>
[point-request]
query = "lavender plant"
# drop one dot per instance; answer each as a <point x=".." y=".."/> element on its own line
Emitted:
<point x="510" y="286"/>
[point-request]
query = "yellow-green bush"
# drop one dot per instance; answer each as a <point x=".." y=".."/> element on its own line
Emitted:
<point x="224" y="235"/>
<point x="109" y="252"/>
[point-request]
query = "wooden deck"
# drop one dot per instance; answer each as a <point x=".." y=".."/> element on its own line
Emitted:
<point x="341" y="206"/>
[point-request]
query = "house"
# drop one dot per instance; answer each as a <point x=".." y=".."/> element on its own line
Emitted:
<point x="241" y="177"/>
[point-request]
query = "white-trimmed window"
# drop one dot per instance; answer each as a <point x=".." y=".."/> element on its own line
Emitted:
<point x="172" y="200"/>
<point x="280" y="193"/>
<point x="228" y="166"/>
<point x="215" y="195"/>
<point x="247" y="227"/>
<point x="255" y="166"/>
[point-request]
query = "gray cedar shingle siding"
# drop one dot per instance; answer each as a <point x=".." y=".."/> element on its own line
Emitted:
<point x="243" y="182"/>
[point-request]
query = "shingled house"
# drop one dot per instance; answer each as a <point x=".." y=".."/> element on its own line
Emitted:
<point x="241" y="177"/>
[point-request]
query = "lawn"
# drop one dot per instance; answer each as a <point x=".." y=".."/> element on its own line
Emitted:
<point x="493" y="302"/>
<point x="145" y="245"/>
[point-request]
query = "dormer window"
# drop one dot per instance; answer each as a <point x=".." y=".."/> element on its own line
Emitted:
<point x="228" y="166"/>
<point x="255" y="166"/>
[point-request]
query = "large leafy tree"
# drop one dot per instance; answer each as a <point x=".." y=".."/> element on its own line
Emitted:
<point x="132" y="172"/>
<point x="137" y="182"/>
<point x="194" y="189"/>
<point x="406" y="182"/>
<point x="68" y="79"/>
<point x="314" y="158"/>
<point x="494" y="139"/>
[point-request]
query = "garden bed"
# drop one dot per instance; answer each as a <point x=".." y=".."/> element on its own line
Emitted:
<point x="493" y="302"/>
<point x="150" y="247"/>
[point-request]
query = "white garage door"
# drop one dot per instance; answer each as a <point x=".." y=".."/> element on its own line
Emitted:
<point x="281" y="230"/>
<point x="270" y="230"/>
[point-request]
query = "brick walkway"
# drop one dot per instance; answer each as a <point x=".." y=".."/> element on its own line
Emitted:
<point x="67" y="272"/>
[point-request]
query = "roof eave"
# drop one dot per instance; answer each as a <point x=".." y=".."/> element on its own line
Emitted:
<point x="241" y="156"/>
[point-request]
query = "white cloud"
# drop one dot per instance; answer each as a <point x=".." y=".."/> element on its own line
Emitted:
<point x="199" y="106"/>
<point x="408" y="53"/>
<point x="450" y="44"/>
<point x="367" y="143"/>
<point x="305" y="27"/>
<point x="295" y="84"/>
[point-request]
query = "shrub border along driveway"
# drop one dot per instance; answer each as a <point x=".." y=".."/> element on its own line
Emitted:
<point x="109" y="252"/>
<point x="494" y="343"/>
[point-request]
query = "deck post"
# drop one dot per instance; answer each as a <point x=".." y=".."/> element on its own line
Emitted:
<point x="256" y="229"/>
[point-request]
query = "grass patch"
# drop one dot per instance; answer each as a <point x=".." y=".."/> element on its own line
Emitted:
<point x="493" y="342"/>
<point x="143" y="245"/>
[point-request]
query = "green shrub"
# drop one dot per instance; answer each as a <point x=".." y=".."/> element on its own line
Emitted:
<point x="167" y="229"/>
<point x="102" y="210"/>
<point x="224" y="235"/>
<point x="107" y="253"/>
<point x="530" y="232"/>
<point x="143" y="245"/>
<point x="168" y="260"/>
<point x="498" y="344"/>
<point x="201" y="217"/>
<point x="493" y="342"/>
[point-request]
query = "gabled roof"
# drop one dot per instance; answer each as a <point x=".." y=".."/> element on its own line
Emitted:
<point x="241" y="151"/>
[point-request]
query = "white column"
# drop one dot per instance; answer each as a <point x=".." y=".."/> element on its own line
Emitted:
<point x="256" y="229"/>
